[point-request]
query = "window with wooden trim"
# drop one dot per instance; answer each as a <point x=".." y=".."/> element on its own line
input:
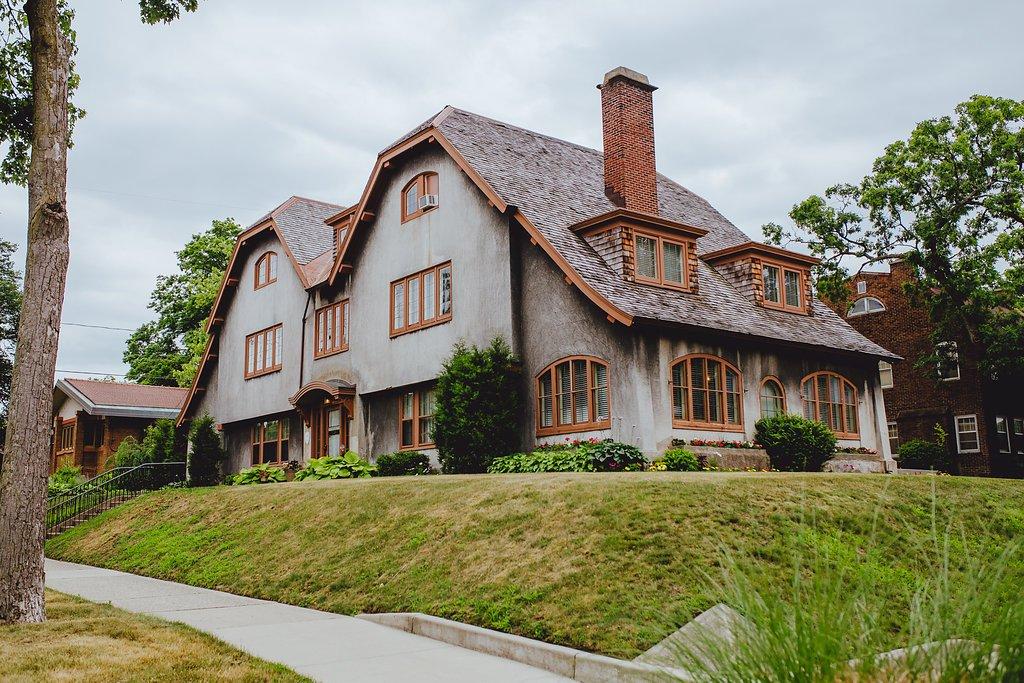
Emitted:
<point x="885" y="374"/>
<point x="328" y="428"/>
<point x="92" y="433"/>
<point x="660" y="261"/>
<point x="330" y="329"/>
<point x="967" y="434"/>
<point x="832" y="399"/>
<point x="773" y="398"/>
<point x="707" y="393"/>
<point x="416" y="418"/>
<point x="419" y="196"/>
<point x="573" y="395"/>
<point x="263" y="351"/>
<point x="864" y="306"/>
<point x="266" y="270"/>
<point x="894" y="436"/>
<point x="67" y="437"/>
<point x="783" y="287"/>
<point x="270" y="442"/>
<point x="421" y="300"/>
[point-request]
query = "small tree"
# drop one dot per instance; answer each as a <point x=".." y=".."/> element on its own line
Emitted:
<point x="162" y="442"/>
<point x="476" y="417"/>
<point x="207" y="456"/>
<point x="129" y="453"/>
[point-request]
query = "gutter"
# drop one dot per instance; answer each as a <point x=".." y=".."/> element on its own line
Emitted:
<point x="302" y="349"/>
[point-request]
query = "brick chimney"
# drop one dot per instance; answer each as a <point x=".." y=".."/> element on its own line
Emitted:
<point x="627" y="113"/>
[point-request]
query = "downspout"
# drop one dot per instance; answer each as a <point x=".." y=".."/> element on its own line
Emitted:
<point x="302" y="349"/>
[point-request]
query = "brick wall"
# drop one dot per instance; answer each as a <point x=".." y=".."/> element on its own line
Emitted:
<point x="627" y="113"/>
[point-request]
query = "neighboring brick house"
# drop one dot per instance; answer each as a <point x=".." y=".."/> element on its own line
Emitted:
<point x="984" y="417"/>
<point x="638" y="311"/>
<point x="91" y="418"/>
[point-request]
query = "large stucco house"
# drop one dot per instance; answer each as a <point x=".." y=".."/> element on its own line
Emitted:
<point x="638" y="311"/>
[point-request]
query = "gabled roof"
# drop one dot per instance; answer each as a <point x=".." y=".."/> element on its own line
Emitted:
<point x="549" y="185"/>
<point x="121" y="399"/>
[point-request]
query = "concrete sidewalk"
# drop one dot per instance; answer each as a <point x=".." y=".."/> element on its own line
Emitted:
<point x="321" y="645"/>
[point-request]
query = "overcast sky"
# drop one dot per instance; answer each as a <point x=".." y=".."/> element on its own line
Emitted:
<point x="229" y="111"/>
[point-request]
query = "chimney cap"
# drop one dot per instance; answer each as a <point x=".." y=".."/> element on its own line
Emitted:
<point x="636" y="77"/>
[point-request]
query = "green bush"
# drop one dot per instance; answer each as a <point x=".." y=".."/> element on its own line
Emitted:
<point x="923" y="455"/>
<point x="129" y="453"/>
<point x="613" y="456"/>
<point x="681" y="460"/>
<point x="402" y="463"/>
<point x="794" y="443"/>
<point x="260" y="474"/>
<point x="477" y="409"/>
<point x="63" y="479"/>
<point x="336" y="467"/>
<point x="206" y="456"/>
<point x="161" y="442"/>
<point x="572" y="460"/>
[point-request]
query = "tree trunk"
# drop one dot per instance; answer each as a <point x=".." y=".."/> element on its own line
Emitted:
<point x="26" y="459"/>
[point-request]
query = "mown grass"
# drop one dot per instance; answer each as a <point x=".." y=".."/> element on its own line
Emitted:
<point x="605" y="562"/>
<point x="84" y="641"/>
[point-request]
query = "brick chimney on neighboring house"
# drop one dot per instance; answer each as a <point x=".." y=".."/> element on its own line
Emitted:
<point x="627" y="113"/>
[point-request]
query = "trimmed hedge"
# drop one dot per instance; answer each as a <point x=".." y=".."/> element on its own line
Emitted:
<point x="403" y="463"/>
<point x="794" y="443"/>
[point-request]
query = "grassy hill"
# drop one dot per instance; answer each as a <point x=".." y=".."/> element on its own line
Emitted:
<point x="606" y="562"/>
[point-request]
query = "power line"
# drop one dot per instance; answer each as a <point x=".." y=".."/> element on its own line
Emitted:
<point x="89" y="372"/>
<point x="99" y="327"/>
<point x="165" y="199"/>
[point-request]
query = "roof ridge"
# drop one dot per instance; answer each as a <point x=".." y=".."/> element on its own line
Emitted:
<point x="316" y="201"/>
<point x="119" y="383"/>
<point x="513" y="126"/>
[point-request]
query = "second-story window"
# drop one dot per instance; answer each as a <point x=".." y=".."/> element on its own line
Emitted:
<point x="330" y="331"/>
<point x="948" y="365"/>
<point x="266" y="270"/>
<point x="419" y="196"/>
<point x="422" y="299"/>
<point x="660" y="261"/>
<point x="263" y="351"/>
<point x="783" y="287"/>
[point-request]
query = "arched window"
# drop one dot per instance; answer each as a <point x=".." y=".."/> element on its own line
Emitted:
<point x="773" y="398"/>
<point x="573" y="396"/>
<point x="266" y="270"/>
<point x="419" y="196"/>
<point x="832" y="399"/>
<point x="865" y="305"/>
<point x="707" y="393"/>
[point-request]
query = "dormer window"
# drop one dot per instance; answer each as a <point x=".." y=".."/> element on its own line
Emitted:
<point x="266" y="270"/>
<point x="660" y="261"/>
<point x="419" y="196"/>
<point x="783" y="287"/>
<point x="865" y="305"/>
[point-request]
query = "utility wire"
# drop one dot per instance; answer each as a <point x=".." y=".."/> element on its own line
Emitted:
<point x="88" y="372"/>
<point x="164" y="199"/>
<point x="99" y="327"/>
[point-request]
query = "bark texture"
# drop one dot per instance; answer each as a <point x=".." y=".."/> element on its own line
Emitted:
<point x="26" y="460"/>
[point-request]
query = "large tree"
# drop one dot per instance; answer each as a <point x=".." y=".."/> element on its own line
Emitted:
<point x="167" y="350"/>
<point x="949" y="202"/>
<point x="35" y="121"/>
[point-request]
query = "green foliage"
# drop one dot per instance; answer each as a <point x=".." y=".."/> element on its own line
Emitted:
<point x="129" y="453"/>
<point x="167" y="350"/>
<point x="794" y="443"/>
<point x="260" y="474"/>
<point x="162" y="442"/>
<point x="403" y="463"/>
<point x="681" y="460"/>
<point x="924" y="455"/>
<point x="206" y="455"/>
<point x="165" y="11"/>
<point x="336" y="467"/>
<point x="10" y="311"/>
<point x="477" y="407"/>
<point x="571" y="460"/>
<point x="63" y="479"/>
<point x="613" y="456"/>
<point x="948" y="201"/>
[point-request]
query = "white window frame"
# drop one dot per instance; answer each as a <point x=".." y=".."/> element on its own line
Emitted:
<point x="1003" y="435"/>
<point x="1018" y="426"/>
<point x="892" y="428"/>
<point x="955" y="356"/>
<point x="883" y="368"/>
<point x="862" y="287"/>
<point x="959" y="432"/>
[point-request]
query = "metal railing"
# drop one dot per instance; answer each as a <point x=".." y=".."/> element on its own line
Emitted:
<point x="111" y="488"/>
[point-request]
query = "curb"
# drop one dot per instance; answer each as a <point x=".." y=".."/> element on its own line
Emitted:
<point x="564" y="661"/>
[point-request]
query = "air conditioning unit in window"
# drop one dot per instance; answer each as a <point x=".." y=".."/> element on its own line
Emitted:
<point x="428" y="201"/>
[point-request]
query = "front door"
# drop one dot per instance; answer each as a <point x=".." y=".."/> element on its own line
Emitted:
<point x="329" y="430"/>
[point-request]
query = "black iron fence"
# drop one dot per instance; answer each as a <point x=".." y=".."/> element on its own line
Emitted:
<point x="111" y="488"/>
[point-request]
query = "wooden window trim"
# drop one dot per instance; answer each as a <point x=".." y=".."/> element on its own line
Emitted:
<point x="264" y="263"/>
<point x="260" y="428"/>
<point x="438" y="318"/>
<point x="575" y="427"/>
<point x="269" y="333"/>
<point x="659" y="261"/>
<point x="707" y="426"/>
<point x="782" y="305"/>
<point x="420" y="181"/>
<point x="782" y="390"/>
<point x="816" y="402"/>
<point x="73" y="424"/>
<point x="418" y="440"/>
<point x="342" y="309"/>
<point x="319" y="422"/>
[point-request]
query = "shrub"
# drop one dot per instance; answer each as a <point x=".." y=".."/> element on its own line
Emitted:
<point x="923" y="455"/>
<point x="794" y="443"/>
<point x="571" y="460"/>
<point x="206" y="456"/>
<point x="402" y="463"/>
<point x="336" y="467"/>
<point x="63" y="479"/>
<point x="162" y="442"/>
<point x="613" y="456"/>
<point x="477" y="411"/>
<point x="129" y="453"/>
<point x="260" y="474"/>
<point x="681" y="460"/>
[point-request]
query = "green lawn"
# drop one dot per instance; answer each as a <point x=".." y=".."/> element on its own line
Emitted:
<point x="606" y="562"/>
<point x="83" y="641"/>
